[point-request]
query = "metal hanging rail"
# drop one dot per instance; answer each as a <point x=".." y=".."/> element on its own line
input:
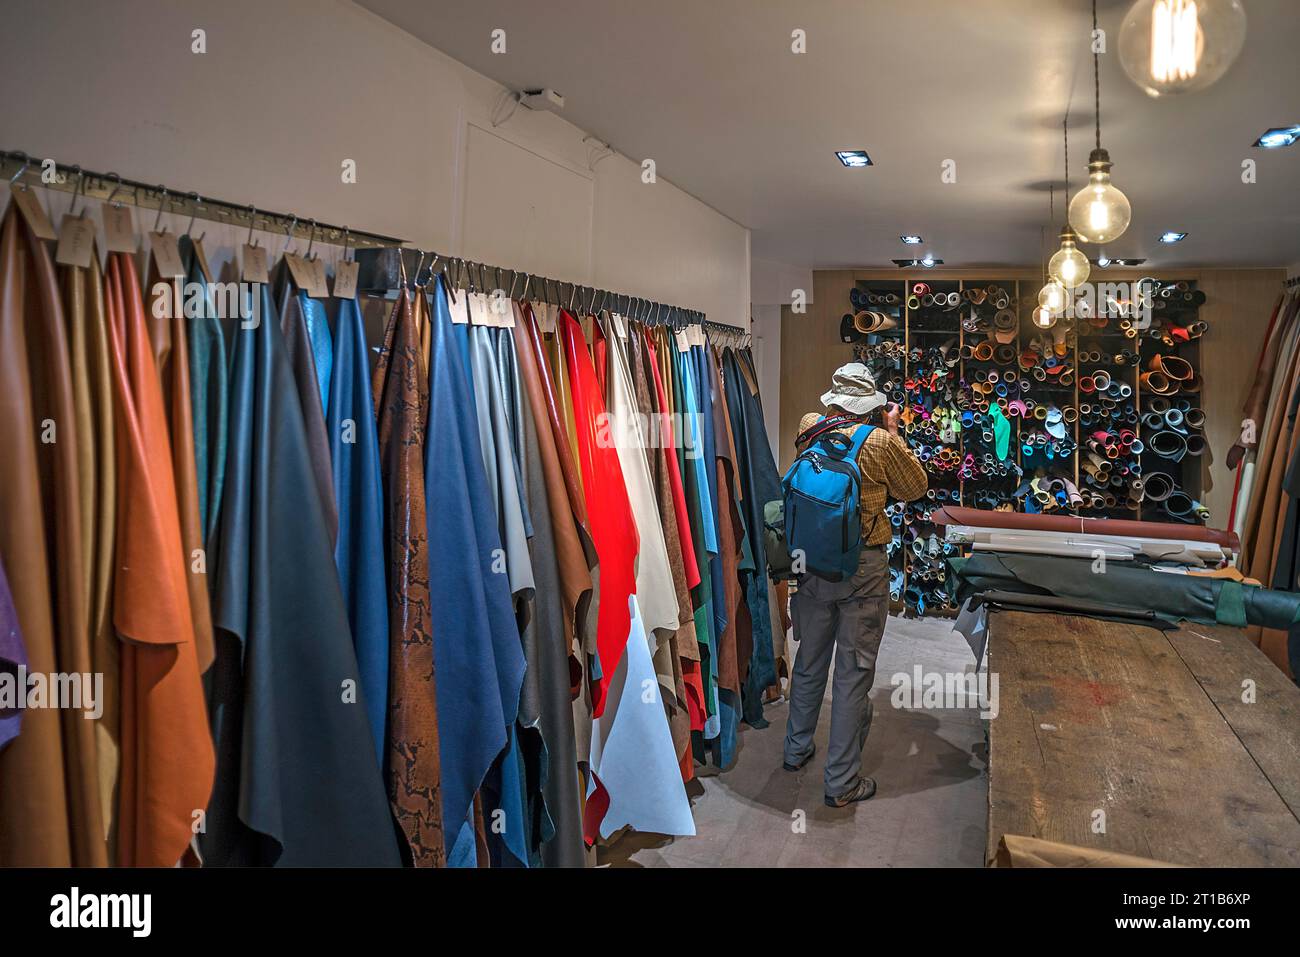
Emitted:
<point x="104" y="186"/>
<point x="461" y="273"/>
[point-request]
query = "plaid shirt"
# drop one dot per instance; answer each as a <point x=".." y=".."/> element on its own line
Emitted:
<point x="889" y="470"/>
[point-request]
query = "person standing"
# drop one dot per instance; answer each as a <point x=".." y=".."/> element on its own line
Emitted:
<point x="846" y="619"/>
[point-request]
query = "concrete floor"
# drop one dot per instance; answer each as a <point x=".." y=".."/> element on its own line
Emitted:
<point x="931" y="803"/>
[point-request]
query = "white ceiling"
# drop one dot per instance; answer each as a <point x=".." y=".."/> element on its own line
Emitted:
<point x="711" y="91"/>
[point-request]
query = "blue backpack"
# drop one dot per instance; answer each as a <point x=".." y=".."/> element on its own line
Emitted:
<point x="822" y="517"/>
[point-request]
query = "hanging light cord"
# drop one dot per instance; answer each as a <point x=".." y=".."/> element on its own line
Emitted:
<point x="1096" y="75"/>
<point x="1065" y="130"/>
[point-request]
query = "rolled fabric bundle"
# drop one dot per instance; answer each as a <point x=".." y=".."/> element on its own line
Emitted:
<point x="927" y="300"/>
<point x="1173" y="419"/>
<point x="920" y="289"/>
<point x="1001" y="301"/>
<point x="1124" y="389"/>
<point x="984" y="351"/>
<point x="1005" y="354"/>
<point x="1087" y="384"/>
<point x="1137" y="447"/>
<point x="967" y="351"/>
<point x="1039" y="373"/>
<point x="1070" y="414"/>
<point x="952" y="299"/>
<point x="1040" y="412"/>
<point x="1195" y="444"/>
<point x="1193" y="384"/>
<point x="1194" y="418"/>
<point x="1010" y="375"/>
<point x="855" y="297"/>
<point x="1067" y="378"/>
<point x="913" y="301"/>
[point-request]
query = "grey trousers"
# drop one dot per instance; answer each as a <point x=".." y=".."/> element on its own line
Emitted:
<point x="846" y="619"/>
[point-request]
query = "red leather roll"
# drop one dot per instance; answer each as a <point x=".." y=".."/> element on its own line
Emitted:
<point x="985" y="518"/>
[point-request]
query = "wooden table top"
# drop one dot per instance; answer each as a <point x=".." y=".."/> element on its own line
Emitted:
<point x="1124" y="738"/>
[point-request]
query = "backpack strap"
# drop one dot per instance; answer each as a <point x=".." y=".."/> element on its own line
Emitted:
<point x="827" y="423"/>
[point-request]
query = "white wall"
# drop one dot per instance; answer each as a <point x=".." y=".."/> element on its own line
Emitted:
<point x="773" y="285"/>
<point x="289" y="90"/>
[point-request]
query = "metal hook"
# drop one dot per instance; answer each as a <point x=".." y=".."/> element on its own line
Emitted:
<point x="162" y="201"/>
<point x="311" y="239"/>
<point x="189" y="227"/>
<point x="346" y="235"/>
<point x="573" y="293"/>
<point x="22" y="169"/>
<point x="116" y="189"/>
<point x="252" y="218"/>
<point x="419" y="268"/>
<point x="80" y="189"/>
<point x="289" y="233"/>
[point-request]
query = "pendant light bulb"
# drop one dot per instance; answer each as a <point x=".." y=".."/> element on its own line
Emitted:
<point x="1099" y="212"/>
<point x="1068" y="266"/>
<point x="1044" y="318"/>
<point x="1180" y="46"/>
<point x="1052" y="296"/>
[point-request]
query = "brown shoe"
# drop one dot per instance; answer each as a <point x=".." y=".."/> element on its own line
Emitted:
<point x="861" y="791"/>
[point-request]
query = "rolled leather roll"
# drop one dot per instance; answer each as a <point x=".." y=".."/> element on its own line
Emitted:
<point x="1168" y="444"/>
<point x="1157" y="486"/>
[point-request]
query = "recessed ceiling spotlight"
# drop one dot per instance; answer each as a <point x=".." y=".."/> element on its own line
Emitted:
<point x="1103" y="261"/>
<point x="1277" y="137"/>
<point x="928" y="262"/>
<point x="854" y="158"/>
<point x="911" y="240"/>
<point x="1172" y="237"/>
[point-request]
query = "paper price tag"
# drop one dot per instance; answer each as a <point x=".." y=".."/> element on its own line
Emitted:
<point x="479" y="309"/>
<point x="458" y="306"/>
<point x="345" y="280"/>
<point x="76" y="242"/>
<point x="683" y="341"/>
<point x="255" y="268"/>
<point x="544" y="313"/>
<point x="319" y="284"/>
<point x="29" y="204"/>
<point x="300" y="269"/>
<point x="119" y="233"/>
<point x="166" y="255"/>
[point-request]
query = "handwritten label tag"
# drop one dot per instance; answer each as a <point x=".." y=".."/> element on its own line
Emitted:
<point x="76" y="242"/>
<point x="479" y="309"/>
<point x="683" y="341"/>
<point x="166" y="255"/>
<point x="202" y="258"/>
<point x="320" y="287"/>
<point x="119" y="233"/>
<point x="545" y="314"/>
<point x="620" y="325"/>
<point x="29" y="204"/>
<point x="458" y="306"/>
<point x="345" y="280"/>
<point x="300" y="269"/>
<point x="255" y="268"/>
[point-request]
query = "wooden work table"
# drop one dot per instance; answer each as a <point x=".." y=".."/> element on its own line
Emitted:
<point x="1150" y="728"/>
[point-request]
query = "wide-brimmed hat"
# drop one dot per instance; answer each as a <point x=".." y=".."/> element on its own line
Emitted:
<point x="853" y="389"/>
